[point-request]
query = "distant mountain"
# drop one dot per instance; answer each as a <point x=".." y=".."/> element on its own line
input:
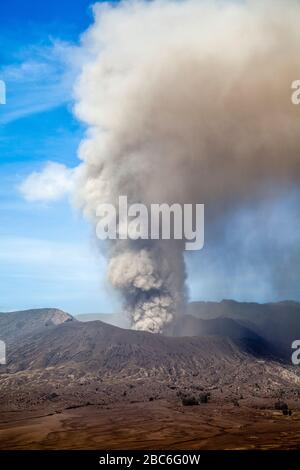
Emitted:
<point x="116" y="319"/>
<point x="188" y="325"/>
<point x="277" y="323"/>
<point x="49" y="337"/>
<point x="99" y="346"/>
<point x="14" y="325"/>
<point x="265" y="328"/>
<point x="93" y="351"/>
<point x="58" y="358"/>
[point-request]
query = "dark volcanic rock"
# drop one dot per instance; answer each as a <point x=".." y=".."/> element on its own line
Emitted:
<point x="57" y="361"/>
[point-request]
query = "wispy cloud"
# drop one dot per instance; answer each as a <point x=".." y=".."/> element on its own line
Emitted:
<point x="41" y="80"/>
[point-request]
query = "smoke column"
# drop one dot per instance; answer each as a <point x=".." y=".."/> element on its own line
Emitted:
<point x="190" y="102"/>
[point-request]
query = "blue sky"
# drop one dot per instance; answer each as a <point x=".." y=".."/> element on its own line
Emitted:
<point x="47" y="257"/>
<point x="47" y="253"/>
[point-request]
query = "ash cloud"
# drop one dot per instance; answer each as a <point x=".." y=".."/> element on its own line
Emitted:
<point x="185" y="102"/>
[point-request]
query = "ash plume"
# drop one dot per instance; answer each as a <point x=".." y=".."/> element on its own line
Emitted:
<point x="185" y="102"/>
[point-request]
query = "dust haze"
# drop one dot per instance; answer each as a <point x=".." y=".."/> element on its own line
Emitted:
<point x="185" y="102"/>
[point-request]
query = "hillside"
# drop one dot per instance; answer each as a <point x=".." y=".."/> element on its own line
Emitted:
<point x="73" y="363"/>
<point x="277" y="323"/>
<point x="14" y="325"/>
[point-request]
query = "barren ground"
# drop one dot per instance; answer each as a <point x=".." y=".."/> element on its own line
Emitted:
<point x="154" y="425"/>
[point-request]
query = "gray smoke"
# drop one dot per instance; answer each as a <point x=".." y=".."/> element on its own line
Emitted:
<point x="185" y="102"/>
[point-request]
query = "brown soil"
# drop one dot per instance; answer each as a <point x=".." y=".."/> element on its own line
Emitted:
<point x="154" y="425"/>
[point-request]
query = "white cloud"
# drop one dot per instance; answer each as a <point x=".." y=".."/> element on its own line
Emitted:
<point x="54" y="182"/>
